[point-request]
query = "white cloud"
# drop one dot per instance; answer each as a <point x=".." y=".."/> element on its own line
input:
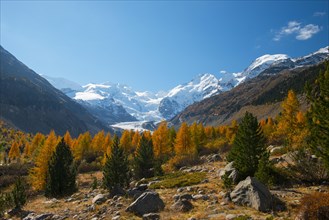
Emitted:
<point x="307" y="32"/>
<point x="296" y="28"/>
<point x="223" y="71"/>
<point x="319" y="14"/>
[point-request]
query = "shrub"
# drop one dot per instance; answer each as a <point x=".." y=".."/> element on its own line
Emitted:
<point x="5" y="202"/>
<point x="306" y="168"/>
<point x="228" y="182"/>
<point x="178" y="162"/>
<point x="85" y="167"/>
<point x="19" y="194"/>
<point x="311" y="205"/>
<point x="265" y="170"/>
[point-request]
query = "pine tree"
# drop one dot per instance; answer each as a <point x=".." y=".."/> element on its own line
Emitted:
<point x="116" y="170"/>
<point x="61" y="175"/>
<point x="248" y="146"/>
<point x="144" y="159"/>
<point x="265" y="170"/>
<point x="318" y="116"/>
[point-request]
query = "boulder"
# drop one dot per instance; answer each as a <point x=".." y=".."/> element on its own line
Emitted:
<point x="151" y="216"/>
<point x="182" y="206"/>
<point x="252" y="193"/>
<point x="117" y="191"/>
<point x="99" y="199"/>
<point x="231" y="171"/>
<point x="183" y="196"/>
<point x="148" y="202"/>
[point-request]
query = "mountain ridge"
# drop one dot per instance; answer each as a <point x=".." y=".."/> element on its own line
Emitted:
<point x="30" y="103"/>
<point x="147" y="106"/>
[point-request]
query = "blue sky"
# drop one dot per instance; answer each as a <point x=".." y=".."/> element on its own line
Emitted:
<point x="155" y="45"/>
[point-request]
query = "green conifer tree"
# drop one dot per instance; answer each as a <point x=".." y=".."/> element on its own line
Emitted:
<point x="116" y="168"/>
<point x="61" y="175"/>
<point x="265" y="170"/>
<point x="248" y="146"/>
<point x="144" y="159"/>
<point x="318" y="116"/>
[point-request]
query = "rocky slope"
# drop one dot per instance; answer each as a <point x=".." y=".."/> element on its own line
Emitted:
<point x="260" y="96"/>
<point x="32" y="104"/>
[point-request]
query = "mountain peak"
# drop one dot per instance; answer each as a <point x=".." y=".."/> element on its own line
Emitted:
<point x="263" y="62"/>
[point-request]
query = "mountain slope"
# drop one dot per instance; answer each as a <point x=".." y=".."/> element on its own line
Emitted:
<point x="113" y="103"/>
<point x="261" y="95"/>
<point x="32" y="104"/>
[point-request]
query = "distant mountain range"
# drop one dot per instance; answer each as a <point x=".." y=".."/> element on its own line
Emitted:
<point x="115" y="103"/>
<point x="31" y="104"/>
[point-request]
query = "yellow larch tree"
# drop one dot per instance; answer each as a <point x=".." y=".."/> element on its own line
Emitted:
<point x="82" y="147"/>
<point x="68" y="139"/>
<point x="36" y="144"/>
<point x="14" y="152"/>
<point x="287" y="123"/>
<point x="39" y="171"/>
<point x="184" y="145"/>
<point x="97" y="144"/>
<point x="135" y="140"/>
<point x="125" y="141"/>
<point x="161" y="143"/>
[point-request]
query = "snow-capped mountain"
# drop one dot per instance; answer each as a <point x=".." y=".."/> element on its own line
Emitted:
<point x="142" y="106"/>
<point x="115" y="103"/>
<point x="207" y="85"/>
<point x="201" y="87"/>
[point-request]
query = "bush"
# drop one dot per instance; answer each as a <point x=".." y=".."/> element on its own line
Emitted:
<point x="5" y="202"/>
<point x="312" y="204"/>
<point x="265" y="170"/>
<point x="228" y="182"/>
<point x="19" y="194"/>
<point x="9" y="173"/>
<point x="178" y="162"/>
<point x="306" y="168"/>
<point x="85" y="167"/>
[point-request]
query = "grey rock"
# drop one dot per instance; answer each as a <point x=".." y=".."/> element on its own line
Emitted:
<point x="116" y="217"/>
<point x="230" y="216"/>
<point x="142" y="187"/>
<point x="231" y="171"/>
<point x="215" y="157"/>
<point x="182" y="206"/>
<point x="33" y="216"/>
<point x="200" y="196"/>
<point x="148" y="202"/>
<point x="183" y="196"/>
<point x="117" y="191"/>
<point x="252" y="193"/>
<point x="151" y="216"/>
<point x="134" y="193"/>
<point x="99" y="199"/>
